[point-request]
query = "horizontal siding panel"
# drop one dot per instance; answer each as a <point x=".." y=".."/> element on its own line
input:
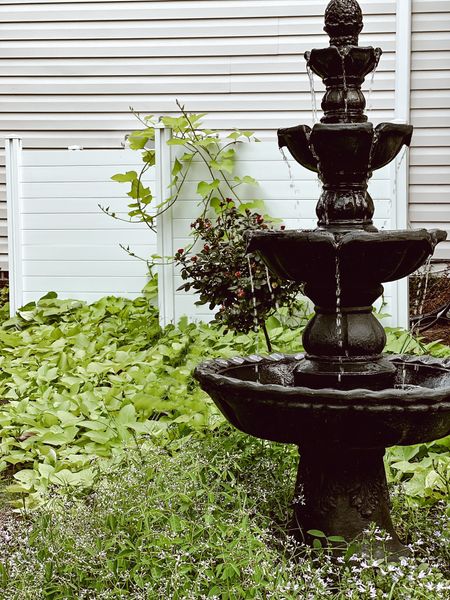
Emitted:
<point x="430" y="22"/>
<point x="82" y="222"/>
<point x="101" y="237"/>
<point x="430" y="175"/>
<point x="431" y="137"/>
<point x="437" y="42"/>
<point x="430" y="99"/>
<point x="176" y="29"/>
<point x="430" y="61"/>
<point x="431" y="118"/>
<point x="78" y="268"/>
<point x="87" y="252"/>
<point x="206" y="47"/>
<point x="220" y="120"/>
<point x="429" y="194"/>
<point x="177" y="84"/>
<point x="287" y="63"/>
<point x="430" y="156"/>
<point x="257" y="102"/>
<point x="106" y="285"/>
<point x="434" y="213"/>
<point x="73" y="173"/>
<point x="101" y="158"/>
<point x="206" y="9"/>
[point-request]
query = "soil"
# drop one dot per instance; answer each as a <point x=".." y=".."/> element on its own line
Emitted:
<point x="439" y="332"/>
<point x="429" y="295"/>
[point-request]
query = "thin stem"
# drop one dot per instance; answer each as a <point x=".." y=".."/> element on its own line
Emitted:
<point x="267" y="338"/>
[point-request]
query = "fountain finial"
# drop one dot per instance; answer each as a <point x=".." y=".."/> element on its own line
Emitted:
<point x="343" y="22"/>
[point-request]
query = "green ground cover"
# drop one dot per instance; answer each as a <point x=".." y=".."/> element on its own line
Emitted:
<point x="127" y="482"/>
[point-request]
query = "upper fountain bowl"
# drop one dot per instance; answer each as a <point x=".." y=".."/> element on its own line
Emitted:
<point x="347" y="151"/>
<point x="365" y="258"/>
<point x="353" y="65"/>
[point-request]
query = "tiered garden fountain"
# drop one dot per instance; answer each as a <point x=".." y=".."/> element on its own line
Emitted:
<point x="343" y="402"/>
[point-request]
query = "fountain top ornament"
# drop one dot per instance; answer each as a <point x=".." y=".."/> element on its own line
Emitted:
<point x="343" y="22"/>
<point x="342" y="402"/>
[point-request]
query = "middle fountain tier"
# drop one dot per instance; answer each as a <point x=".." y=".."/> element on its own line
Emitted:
<point x="344" y="262"/>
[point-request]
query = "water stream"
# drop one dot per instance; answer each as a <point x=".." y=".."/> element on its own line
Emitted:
<point x="292" y="184"/>
<point x="313" y="93"/>
<point x="422" y="288"/>
<point x="255" y="311"/>
<point x="372" y="79"/>
<point x="269" y="285"/>
<point x="339" y="313"/>
<point x="345" y="88"/>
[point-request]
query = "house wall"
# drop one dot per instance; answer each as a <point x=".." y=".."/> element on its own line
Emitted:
<point x="430" y="115"/>
<point x="69" y="70"/>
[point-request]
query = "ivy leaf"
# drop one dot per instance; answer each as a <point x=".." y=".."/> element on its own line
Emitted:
<point x="177" y="167"/>
<point x="129" y="176"/>
<point x="204" y="188"/>
<point x="149" y="157"/>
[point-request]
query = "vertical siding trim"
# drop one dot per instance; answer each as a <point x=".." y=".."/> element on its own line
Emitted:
<point x="13" y="146"/>
<point x="401" y="165"/>
<point x="166" y="287"/>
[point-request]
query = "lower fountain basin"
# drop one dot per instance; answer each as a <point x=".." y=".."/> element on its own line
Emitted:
<point x="258" y="396"/>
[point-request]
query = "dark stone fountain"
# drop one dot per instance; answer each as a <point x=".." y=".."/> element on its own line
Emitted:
<point x="343" y="402"/>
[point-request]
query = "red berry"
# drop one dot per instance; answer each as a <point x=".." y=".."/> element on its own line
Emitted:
<point x="283" y="227"/>
<point x="194" y="259"/>
<point x="240" y="293"/>
<point x="238" y="274"/>
<point x="206" y="248"/>
<point x="180" y="250"/>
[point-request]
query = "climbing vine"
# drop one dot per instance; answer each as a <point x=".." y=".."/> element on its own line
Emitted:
<point x="215" y="264"/>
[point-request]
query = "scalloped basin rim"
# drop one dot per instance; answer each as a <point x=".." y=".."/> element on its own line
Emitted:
<point x="433" y="236"/>
<point x="214" y="372"/>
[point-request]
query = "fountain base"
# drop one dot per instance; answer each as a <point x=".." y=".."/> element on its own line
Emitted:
<point x="345" y="374"/>
<point x="342" y="491"/>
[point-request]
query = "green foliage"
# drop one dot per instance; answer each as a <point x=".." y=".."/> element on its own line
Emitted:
<point x="79" y="382"/>
<point x="225" y="276"/>
<point x="182" y="518"/>
<point x="198" y="144"/>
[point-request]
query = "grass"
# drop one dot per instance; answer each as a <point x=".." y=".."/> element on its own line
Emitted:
<point x="194" y="517"/>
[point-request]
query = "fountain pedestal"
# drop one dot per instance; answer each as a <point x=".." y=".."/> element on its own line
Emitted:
<point x="343" y="491"/>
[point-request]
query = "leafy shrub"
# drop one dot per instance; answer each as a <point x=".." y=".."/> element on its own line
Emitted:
<point x="224" y="275"/>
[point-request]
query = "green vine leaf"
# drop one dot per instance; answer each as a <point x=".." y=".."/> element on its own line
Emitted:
<point x="177" y="167"/>
<point x="204" y="188"/>
<point x="129" y="176"/>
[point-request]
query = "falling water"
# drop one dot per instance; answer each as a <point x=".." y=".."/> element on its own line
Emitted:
<point x="255" y="311"/>
<point x="339" y="313"/>
<point x="422" y="288"/>
<point x="372" y="79"/>
<point x="313" y="93"/>
<point x="291" y="176"/>
<point x="345" y="89"/>
<point x="269" y="285"/>
<point x="397" y="169"/>
<point x="375" y="137"/>
<point x="292" y="185"/>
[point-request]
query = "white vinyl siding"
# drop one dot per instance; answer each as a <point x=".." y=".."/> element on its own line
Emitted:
<point x="430" y="114"/>
<point x="63" y="241"/>
<point x="69" y="70"/>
